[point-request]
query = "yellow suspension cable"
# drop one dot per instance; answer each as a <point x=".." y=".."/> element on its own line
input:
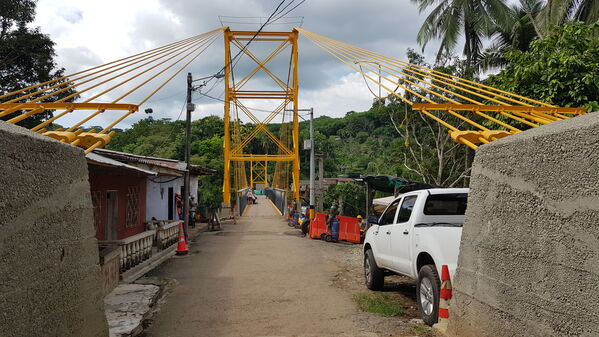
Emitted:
<point x="41" y="109"/>
<point x="83" y="71"/>
<point x="18" y="107"/>
<point x="153" y="92"/>
<point x="474" y="85"/>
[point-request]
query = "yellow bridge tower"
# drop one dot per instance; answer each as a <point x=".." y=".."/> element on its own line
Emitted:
<point x="236" y="92"/>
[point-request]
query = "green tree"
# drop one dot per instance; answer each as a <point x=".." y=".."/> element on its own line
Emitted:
<point x="429" y="154"/>
<point x="27" y="58"/>
<point x="349" y="197"/>
<point x="151" y="137"/>
<point x="450" y="19"/>
<point x="209" y="153"/>
<point x="558" y="12"/>
<point x="560" y="69"/>
<point x="516" y="34"/>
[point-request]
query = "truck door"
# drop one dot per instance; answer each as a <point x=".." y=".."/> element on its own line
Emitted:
<point x="401" y="237"/>
<point x="382" y="236"/>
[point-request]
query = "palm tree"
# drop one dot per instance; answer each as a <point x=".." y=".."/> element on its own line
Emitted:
<point x="557" y="12"/>
<point x="517" y="33"/>
<point x="450" y="19"/>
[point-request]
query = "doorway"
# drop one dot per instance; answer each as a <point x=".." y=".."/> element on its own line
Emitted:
<point x="112" y="215"/>
<point x="171" y="202"/>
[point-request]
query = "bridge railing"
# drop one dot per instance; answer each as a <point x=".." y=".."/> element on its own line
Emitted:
<point x="278" y="197"/>
<point x="242" y="200"/>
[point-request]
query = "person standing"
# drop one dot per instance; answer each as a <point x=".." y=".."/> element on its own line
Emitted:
<point x="192" y="211"/>
<point x="332" y="214"/>
<point x="179" y="205"/>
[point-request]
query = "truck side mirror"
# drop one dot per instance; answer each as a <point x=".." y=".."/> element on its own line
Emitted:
<point x="373" y="220"/>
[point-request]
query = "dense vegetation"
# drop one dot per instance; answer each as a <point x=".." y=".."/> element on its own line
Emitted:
<point x="561" y="69"/>
<point x="27" y="58"/>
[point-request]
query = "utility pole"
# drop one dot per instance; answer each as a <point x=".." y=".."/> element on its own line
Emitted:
<point x="367" y="209"/>
<point x="312" y="173"/>
<point x="320" y="183"/>
<point x="186" y="182"/>
<point x="312" y="164"/>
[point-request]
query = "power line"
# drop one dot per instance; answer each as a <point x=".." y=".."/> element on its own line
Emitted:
<point x="268" y="21"/>
<point x="222" y="100"/>
<point x="283" y="15"/>
<point x="253" y="37"/>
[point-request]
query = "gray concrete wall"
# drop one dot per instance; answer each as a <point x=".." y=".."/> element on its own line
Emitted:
<point x="529" y="257"/>
<point x="50" y="283"/>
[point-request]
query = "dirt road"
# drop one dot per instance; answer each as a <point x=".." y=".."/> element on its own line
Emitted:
<point x="260" y="278"/>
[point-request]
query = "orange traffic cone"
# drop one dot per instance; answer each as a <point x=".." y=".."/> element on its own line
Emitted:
<point x="445" y="295"/>
<point x="181" y="245"/>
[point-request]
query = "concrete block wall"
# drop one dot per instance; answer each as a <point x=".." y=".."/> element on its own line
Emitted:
<point x="529" y="256"/>
<point x="50" y="281"/>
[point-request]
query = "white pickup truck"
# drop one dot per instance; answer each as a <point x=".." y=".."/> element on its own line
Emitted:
<point x="417" y="233"/>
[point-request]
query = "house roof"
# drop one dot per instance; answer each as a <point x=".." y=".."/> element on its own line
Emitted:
<point x="94" y="158"/>
<point x="161" y="165"/>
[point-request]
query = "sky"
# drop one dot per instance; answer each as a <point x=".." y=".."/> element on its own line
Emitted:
<point x="90" y="33"/>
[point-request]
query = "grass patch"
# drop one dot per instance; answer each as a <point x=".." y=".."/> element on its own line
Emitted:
<point x="379" y="303"/>
<point x="422" y="331"/>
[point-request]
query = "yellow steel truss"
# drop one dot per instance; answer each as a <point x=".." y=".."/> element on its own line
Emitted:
<point x="235" y="93"/>
<point x="259" y="173"/>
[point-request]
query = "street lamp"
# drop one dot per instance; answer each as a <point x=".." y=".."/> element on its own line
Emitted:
<point x="379" y="65"/>
<point x="312" y="165"/>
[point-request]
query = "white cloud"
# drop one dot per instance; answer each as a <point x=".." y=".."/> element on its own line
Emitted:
<point x="88" y="33"/>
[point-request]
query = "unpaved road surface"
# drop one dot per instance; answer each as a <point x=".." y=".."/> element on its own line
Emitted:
<point x="260" y="278"/>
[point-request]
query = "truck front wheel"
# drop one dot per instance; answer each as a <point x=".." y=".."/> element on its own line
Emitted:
<point x="427" y="292"/>
<point x="374" y="277"/>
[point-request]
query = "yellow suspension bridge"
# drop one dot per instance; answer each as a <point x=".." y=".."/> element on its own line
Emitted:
<point x="483" y="113"/>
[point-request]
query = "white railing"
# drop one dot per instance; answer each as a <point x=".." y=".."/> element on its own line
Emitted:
<point x="134" y="249"/>
<point x="167" y="235"/>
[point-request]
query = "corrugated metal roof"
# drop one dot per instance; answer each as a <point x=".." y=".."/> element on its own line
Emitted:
<point x="105" y="161"/>
<point x="163" y="162"/>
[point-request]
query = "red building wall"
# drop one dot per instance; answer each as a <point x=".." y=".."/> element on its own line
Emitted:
<point x="125" y="183"/>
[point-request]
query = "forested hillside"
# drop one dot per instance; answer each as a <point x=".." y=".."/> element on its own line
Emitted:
<point x="360" y="143"/>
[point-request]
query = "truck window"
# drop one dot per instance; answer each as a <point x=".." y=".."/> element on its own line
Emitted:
<point x="446" y="204"/>
<point x="389" y="215"/>
<point x="405" y="211"/>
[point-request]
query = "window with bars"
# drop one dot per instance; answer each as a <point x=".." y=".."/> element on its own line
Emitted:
<point x="132" y="207"/>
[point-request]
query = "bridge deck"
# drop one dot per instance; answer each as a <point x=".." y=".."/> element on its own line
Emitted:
<point x="263" y="208"/>
<point x="257" y="277"/>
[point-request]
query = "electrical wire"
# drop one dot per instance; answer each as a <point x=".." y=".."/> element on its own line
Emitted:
<point x="283" y="15"/>
<point x="234" y="103"/>
<point x="221" y="72"/>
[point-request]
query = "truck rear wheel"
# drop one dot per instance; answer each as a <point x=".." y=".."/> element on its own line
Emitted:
<point x="427" y="293"/>
<point x="373" y="275"/>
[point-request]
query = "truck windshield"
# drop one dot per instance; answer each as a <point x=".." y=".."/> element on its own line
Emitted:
<point x="446" y="204"/>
